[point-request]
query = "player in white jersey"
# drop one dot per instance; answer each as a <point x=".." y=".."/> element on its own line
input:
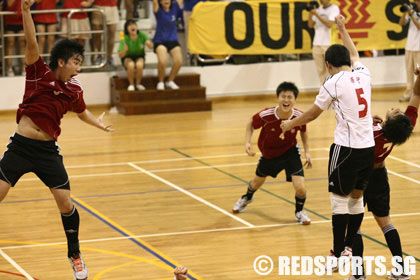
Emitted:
<point x="348" y="92"/>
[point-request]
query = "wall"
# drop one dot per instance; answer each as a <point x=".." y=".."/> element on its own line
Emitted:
<point x="227" y="80"/>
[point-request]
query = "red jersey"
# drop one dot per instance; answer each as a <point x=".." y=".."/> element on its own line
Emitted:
<point x="47" y="99"/>
<point x="382" y="147"/>
<point x="45" y="18"/>
<point x="74" y="4"/>
<point x="269" y="141"/>
<point x="109" y="3"/>
<point x="14" y="19"/>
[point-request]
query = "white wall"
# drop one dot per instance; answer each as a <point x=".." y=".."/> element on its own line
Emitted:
<point x="226" y="80"/>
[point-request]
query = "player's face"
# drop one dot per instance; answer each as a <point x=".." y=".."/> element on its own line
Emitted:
<point x="72" y="67"/>
<point x="393" y="112"/>
<point x="286" y="100"/>
<point x="325" y="2"/>
<point x="132" y="29"/>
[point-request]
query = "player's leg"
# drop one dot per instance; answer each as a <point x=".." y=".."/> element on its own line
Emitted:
<point x="131" y="69"/>
<point x="162" y="55"/>
<point x="139" y="73"/>
<point x="4" y="189"/>
<point x="176" y="54"/>
<point x="247" y="198"/>
<point x="300" y="198"/>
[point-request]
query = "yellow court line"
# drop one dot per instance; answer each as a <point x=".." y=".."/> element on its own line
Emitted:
<point x="119" y="227"/>
<point x="97" y="276"/>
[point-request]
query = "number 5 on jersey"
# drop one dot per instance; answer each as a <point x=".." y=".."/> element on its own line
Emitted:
<point x="362" y="101"/>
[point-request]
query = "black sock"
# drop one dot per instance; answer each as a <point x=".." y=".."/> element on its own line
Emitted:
<point x="250" y="192"/>
<point x="393" y="240"/>
<point x="358" y="250"/>
<point x="355" y="221"/>
<point x="339" y="226"/>
<point x="300" y="201"/>
<point x="71" y="223"/>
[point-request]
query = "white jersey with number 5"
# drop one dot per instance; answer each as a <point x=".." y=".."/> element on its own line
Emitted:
<point x="349" y="93"/>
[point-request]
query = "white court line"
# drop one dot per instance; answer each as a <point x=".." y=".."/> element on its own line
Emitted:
<point x="170" y="160"/>
<point x="12" y="262"/>
<point x="404" y="161"/>
<point x="157" y="170"/>
<point x="188" y="232"/>
<point x="403" y="176"/>
<point x="191" y="195"/>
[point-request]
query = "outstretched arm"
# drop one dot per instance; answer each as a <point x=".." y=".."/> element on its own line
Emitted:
<point x="89" y="118"/>
<point x="32" y="51"/>
<point x="347" y="41"/>
<point x="415" y="97"/>
<point x="306" y="117"/>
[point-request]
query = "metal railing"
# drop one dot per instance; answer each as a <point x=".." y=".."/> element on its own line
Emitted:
<point x="69" y="33"/>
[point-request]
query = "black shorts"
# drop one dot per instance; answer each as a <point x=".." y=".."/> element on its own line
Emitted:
<point x="14" y="28"/>
<point x="376" y="195"/>
<point x="349" y="168"/>
<point x="132" y="57"/>
<point x="168" y="45"/>
<point x="290" y="161"/>
<point x="24" y="155"/>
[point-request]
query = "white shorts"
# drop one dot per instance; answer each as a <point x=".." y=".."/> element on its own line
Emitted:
<point x="77" y="25"/>
<point x="111" y="13"/>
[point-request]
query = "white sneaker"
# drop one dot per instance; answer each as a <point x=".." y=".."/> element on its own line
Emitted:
<point x="160" y="86"/>
<point x="79" y="268"/>
<point x="354" y="278"/>
<point x="302" y="218"/>
<point x="241" y="204"/>
<point x="335" y="267"/>
<point x="140" y="87"/>
<point x="131" y="88"/>
<point x="399" y="277"/>
<point x="171" y="85"/>
<point x="347" y="252"/>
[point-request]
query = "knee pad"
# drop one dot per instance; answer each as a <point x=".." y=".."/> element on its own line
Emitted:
<point x="356" y="206"/>
<point x="339" y="204"/>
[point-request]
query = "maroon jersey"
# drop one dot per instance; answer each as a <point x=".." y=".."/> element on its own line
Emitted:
<point x="47" y="99"/>
<point x="382" y="147"/>
<point x="269" y="141"/>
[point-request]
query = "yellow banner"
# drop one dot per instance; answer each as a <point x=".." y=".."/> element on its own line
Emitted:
<point x="276" y="27"/>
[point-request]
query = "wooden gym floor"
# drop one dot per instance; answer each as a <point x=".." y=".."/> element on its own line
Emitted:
<point x="158" y="192"/>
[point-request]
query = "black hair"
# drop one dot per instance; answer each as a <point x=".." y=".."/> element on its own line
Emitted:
<point x="397" y="129"/>
<point x="338" y="55"/>
<point x="127" y="23"/>
<point x="64" y="49"/>
<point x="286" y="86"/>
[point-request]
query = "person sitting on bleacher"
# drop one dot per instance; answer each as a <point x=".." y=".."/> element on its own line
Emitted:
<point x="166" y="41"/>
<point x="131" y="52"/>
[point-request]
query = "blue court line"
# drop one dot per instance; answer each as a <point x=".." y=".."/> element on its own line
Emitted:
<point x="280" y="197"/>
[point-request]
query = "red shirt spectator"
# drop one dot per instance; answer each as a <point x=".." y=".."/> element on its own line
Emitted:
<point x="109" y="3"/>
<point x="49" y="18"/>
<point x="74" y="4"/>
<point x="13" y="6"/>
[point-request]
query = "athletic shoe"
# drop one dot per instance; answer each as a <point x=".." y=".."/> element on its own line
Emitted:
<point x="354" y="278"/>
<point x="241" y="204"/>
<point x="399" y="277"/>
<point x="131" y="88"/>
<point x="347" y="252"/>
<point x="79" y="268"/>
<point x="404" y="99"/>
<point x="140" y="87"/>
<point x="160" y="86"/>
<point x="333" y="268"/>
<point x="302" y="218"/>
<point x="171" y="85"/>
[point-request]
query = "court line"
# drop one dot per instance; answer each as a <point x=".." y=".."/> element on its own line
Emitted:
<point x="12" y="262"/>
<point x="191" y="195"/>
<point x="404" y="161"/>
<point x="403" y="176"/>
<point x="189" y="232"/>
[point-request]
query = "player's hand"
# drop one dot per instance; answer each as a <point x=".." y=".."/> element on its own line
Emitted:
<point x="340" y="21"/>
<point x="248" y="149"/>
<point x="286" y="126"/>
<point x="308" y="162"/>
<point x="26" y="4"/>
<point x="417" y="69"/>
<point x="107" y="128"/>
<point x="180" y="273"/>
<point x="377" y="119"/>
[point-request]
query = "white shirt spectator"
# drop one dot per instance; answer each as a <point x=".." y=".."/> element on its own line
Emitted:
<point x="322" y="32"/>
<point x="349" y="94"/>
<point x="413" y="37"/>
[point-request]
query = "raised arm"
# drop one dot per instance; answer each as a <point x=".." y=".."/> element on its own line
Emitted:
<point x="326" y="22"/>
<point x="32" y="51"/>
<point x="155" y="6"/>
<point x="403" y="21"/>
<point x="180" y="2"/>
<point x="413" y="18"/>
<point x="415" y="97"/>
<point x="248" y="136"/>
<point x="347" y="41"/>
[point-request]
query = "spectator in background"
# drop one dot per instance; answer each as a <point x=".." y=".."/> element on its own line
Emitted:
<point x="13" y="25"/>
<point x="45" y="23"/>
<point x="166" y="41"/>
<point x="188" y="7"/>
<point x="130" y="8"/>
<point x="131" y="52"/>
<point x="323" y="19"/>
<point x="112" y="19"/>
<point x="78" y="22"/>
<point x="412" y="47"/>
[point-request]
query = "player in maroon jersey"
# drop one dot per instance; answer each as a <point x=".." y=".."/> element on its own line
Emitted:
<point x="278" y="153"/>
<point x="50" y="91"/>
<point x="395" y="130"/>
